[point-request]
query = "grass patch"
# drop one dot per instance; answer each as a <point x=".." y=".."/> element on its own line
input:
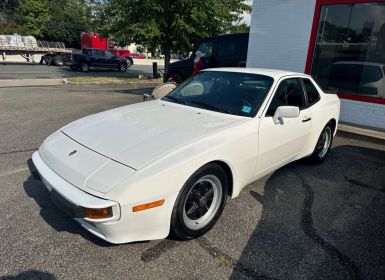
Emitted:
<point x="107" y="79"/>
<point x="223" y="261"/>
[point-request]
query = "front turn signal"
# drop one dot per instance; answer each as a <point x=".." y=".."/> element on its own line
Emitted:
<point x="101" y="213"/>
<point x="148" y="205"/>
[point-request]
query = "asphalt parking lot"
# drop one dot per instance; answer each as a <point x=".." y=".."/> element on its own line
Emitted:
<point x="301" y="222"/>
<point x="19" y="70"/>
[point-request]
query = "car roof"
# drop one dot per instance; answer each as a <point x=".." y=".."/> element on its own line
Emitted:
<point x="274" y="73"/>
<point x="222" y="36"/>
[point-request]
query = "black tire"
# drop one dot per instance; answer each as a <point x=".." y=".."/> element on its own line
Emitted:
<point x="84" y="67"/>
<point x="57" y="60"/>
<point x="122" y="67"/>
<point x="187" y="227"/>
<point x="129" y="62"/>
<point x="47" y="59"/>
<point x="324" y="143"/>
<point x="175" y="78"/>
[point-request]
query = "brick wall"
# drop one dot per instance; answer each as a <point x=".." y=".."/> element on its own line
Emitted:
<point x="363" y="113"/>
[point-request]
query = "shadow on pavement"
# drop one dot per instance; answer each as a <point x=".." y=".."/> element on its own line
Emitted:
<point x="29" y="275"/>
<point x="35" y="189"/>
<point x="322" y="221"/>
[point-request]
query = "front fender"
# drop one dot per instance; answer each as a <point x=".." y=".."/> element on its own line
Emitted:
<point x="237" y="147"/>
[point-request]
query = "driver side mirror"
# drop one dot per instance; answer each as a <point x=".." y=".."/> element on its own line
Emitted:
<point x="285" y="112"/>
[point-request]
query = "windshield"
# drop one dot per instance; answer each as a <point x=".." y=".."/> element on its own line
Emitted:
<point x="233" y="93"/>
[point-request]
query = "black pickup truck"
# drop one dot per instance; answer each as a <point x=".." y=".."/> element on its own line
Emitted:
<point x="95" y="58"/>
<point x="228" y="50"/>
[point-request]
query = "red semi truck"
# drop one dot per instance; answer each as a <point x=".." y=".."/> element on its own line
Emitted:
<point x="94" y="41"/>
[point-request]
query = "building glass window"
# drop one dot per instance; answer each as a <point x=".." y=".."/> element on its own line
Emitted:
<point x="349" y="55"/>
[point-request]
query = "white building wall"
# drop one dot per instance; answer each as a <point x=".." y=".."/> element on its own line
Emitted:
<point x="363" y="113"/>
<point x="279" y="34"/>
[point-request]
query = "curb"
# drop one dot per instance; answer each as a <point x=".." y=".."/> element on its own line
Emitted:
<point x="31" y="82"/>
<point x="130" y="84"/>
<point x="359" y="133"/>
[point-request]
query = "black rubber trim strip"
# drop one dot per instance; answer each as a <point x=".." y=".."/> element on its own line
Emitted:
<point x="67" y="207"/>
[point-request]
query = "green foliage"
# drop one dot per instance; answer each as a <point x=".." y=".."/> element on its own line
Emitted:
<point x="36" y="16"/>
<point x="56" y="20"/>
<point x="175" y="25"/>
<point x="239" y="28"/>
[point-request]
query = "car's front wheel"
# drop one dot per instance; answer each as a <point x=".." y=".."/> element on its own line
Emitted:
<point x="323" y="145"/>
<point x="200" y="202"/>
<point x="84" y="67"/>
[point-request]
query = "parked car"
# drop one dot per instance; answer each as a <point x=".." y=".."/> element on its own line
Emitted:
<point x="138" y="56"/>
<point x="228" y="50"/>
<point x="358" y="77"/>
<point x="95" y="58"/>
<point x="137" y="172"/>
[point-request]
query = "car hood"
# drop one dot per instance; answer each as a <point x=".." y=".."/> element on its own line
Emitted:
<point x="137" y="134"/>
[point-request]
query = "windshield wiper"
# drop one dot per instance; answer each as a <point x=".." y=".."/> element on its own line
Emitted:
<point x="175" y="99"/>
<point x="210" y="107"/>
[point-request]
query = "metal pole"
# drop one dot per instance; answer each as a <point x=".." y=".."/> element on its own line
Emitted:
<point x="155" y="73"/>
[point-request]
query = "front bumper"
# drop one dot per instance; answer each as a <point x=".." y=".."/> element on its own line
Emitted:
<point x="124" y="225"/>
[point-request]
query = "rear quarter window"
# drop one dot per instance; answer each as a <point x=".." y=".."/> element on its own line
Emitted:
<point x="311" y="91"/>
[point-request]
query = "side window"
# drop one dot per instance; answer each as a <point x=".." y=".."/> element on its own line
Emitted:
<point x="288" y="93"/>
<point x="206" y="48"/>
<point x="108" y="54"/>
<point x="243" y="45"/>
<point x="226" y="48"/>
<point x="98" y="52"/>
<point x="312" y="93"/>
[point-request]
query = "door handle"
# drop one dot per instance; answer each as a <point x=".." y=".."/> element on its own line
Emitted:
<point x="306" y="119"/>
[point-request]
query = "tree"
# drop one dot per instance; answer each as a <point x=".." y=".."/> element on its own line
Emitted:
<point x="36" y="15"/>
<point x="11" y="18"/>
<point x="175" y="25"/>
<point x="57" y="20"/>
<point x="239" y="28"/>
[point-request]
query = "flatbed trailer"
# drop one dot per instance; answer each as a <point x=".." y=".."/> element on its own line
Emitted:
<point x="52" y="52"/>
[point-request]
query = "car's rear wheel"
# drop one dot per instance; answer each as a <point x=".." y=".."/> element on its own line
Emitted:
<point x="323" y="145"/>
<point x="122" y="67"/>
<point x="58" y="60"/>
<point x="200" y="202"/>
<point x="84" y="67"/>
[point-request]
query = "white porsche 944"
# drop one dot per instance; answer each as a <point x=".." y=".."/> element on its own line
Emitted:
<point x="143" y="171"/>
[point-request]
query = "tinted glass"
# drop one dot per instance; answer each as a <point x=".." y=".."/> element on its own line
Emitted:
<point x="98" y="52"/>
<point x="226" y="47"/>
<point x="206" y="48"/>
<point x="289" y="93"/>
<point x="350" y="49"/>
<point x="243" y="44"/>
<point x="227" y="92"/>
<point x="311" y="91"/>
<point x="108" y="53"/>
